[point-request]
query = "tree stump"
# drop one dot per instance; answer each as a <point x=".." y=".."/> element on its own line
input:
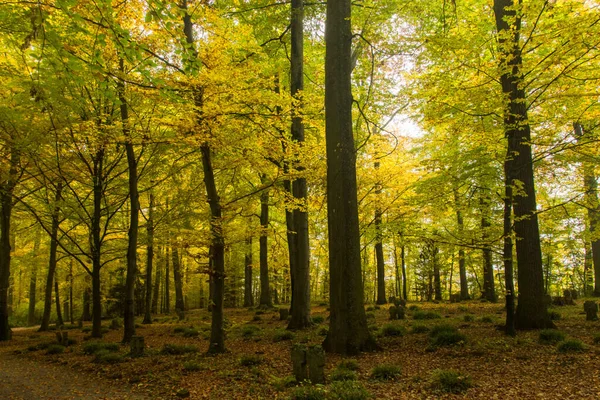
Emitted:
<point x="299" y="362"/>
<point x="393" y="313"/>
<point x="400" y="312"/>
<point x="283" y="314"/>
<point x="316" y="364"/>
<point x="137" y="346"/>
<point x="591" y="310"/>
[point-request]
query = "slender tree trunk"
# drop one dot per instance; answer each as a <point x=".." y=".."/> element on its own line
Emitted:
<point x="86" y="314"/>
<point x="532" y="312"/>
<point x="217" y="335"/>
<point x="71" y="278"/>
<point x="462" y="267"/>
<point x="149" y="260"/>
<point x="379" y="256"/>
<point x="179" y="303"/>
<point x="397" y="277"/>
<point x="300" y="309"/>
<point x="265" y="292"/>
<point x="348" y="331"/>
<point x="157" y="283"/>
<point x="59" y="317"/>
<point x="33" y="279"/>
<point x="437" y="279"/>
<point x="96" y="242"/>
<point x="167" y="308"/>
<point x="489" y="289"/>
<point x="248" y="298"/>
<point x="51" y="259"/>
<point x="134" y="204"/>
<point x="404" y="281"/>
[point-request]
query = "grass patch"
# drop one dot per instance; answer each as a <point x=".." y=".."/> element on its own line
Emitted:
<point x="419" y="329"/>
<point x="597" y="338"/>
<point x="445" y="335"/>
<point x="351" y="365"/>
<point x="392" y="330"/>
<point x="343" y="374"/>
<point x="94" y="347"/>
<point x="450" y="381"/>
<point x="250" y="331"/>
<point x="55" y="349"/>
<point x="571" y="346"/>
<point x="308" y="393"/>
<point x="250" y="360"/>
<point x="318" y="319"/>
<point x="176" y="349"/>
<point x="555" y="315"/>
<point x="323" y="331"/>
<point x="421" y="315"/>
<point x="281" y="336"/>
<point x="192" y="366"/>
<point x="551" y="336"/>
<point x="385" y="372"/>
<point x="487" y="319"/>
<point x="107" y="357"/>
<point x="191" y="332"/>
<point x="468" y="318"/>
<point x="348" y="390"/>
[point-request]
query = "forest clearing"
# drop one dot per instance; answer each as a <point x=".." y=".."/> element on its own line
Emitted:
<point x="347" y="199"/>
<point x="258" y="364"/>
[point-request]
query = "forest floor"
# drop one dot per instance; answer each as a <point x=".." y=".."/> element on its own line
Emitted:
<point x="257" y="364"/>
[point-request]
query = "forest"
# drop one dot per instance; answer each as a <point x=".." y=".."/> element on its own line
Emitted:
<point x="294" y="199"/>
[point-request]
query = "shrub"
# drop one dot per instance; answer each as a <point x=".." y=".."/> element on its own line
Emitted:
<point x="250" y="360"/>
<point x="107" y="357"/>
<point x="93" y="347"/>
<point x="250" y="330"/>
<point x="450" y="381"/>
<point x="343" y="374"/>
<point x="392" y="330"/>
<point x="282" y="335"/>
<point x="283" y="383"/>
<point x="351" y="365"/>
<point x="448" y="338"/>
<point x="419" y="329"/>
<point x="192" y="366"/>
<point x="55" y="349"/>
<point x="468" y="318"/>
<point x="487" y="319"/>
<point x="385" y="372"/>
<point x="441" y="328"/>
<point x="348" y="390"/>
<point x="571" y="346"/>
<point x="175" y="349"/>
<point x="551" y="336"/>
<point x="426" y="315"/>
<point x="308" y="393"/>
<point x="318" y="319"/>
<point x="555" y="315"/>
<point x="191" y="332"/>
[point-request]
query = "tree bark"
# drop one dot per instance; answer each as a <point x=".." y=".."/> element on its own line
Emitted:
<point x="532" y="310"/>
<point x="248" y="297"/>
<point x="6" y="203"/>
<point x="508" y="252"/>
<point x="462" y="268"/>
<point x="134" y="205"/>
<point x="489" y="289"/>
<point x="157" y="282"/>
<point x="33" y="279"/>
<point x="265" y="290"/>
<point x="179" y="303"/>
<point x="96" y="242"/>
<point x="300" y="308"/>
<point x="149" y="260"/>
<point x="59" y="317"/>
<point x="404" y="281"/>
<point x="348" y="332"/>
<point x="437" y="279"/>
<point x="51" y="259"/>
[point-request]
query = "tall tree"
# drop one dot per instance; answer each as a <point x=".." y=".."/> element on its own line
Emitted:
<point x="300" y="309"/>
<point x="381" y="298"/>
<point x="33" y="278"/>
<point x="348" y="331"/>
<point x="265" y="289"/>
<point x="531" y="310"/>
<point x="149" y="260"/>
<point x="248" y="296"/>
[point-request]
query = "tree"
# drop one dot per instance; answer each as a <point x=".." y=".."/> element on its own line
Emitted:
<point x="348" y="332"/>
<point x="531" y="310"/>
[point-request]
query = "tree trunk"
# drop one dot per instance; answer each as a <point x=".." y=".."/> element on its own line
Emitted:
<point x="157" y="282"/>
<point x="508" y="252"/>
<point x="6" y="203"/>
<point x="265" y="292"/>
<point x="179" y="303"/>
<point x="33" y="279"/>
<point x="217" y="335"/>
<point x="489" y="289"/>
<point x="248" y="297"/>
<point x="462" y="268"/>
<point x="149" y="260"/>
<point x="437" y="279"/>
<point x="300" y="310"/>
<point x="51" y="259"/>
<point x="59" y="317"/>
<point x="167" y="307"/>
<point x="96" y="242"/>
<point x="86" y="314"/>
<point x="134" y="205"/>
<point x="532" y="312"/>
<point x="348" y="331"/>
<point x="404" y="281"/>
<point x="71" y="278"/>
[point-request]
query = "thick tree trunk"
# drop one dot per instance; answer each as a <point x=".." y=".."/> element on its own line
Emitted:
<point x="51" y="260"/>
<point x="437" y="279"/>
<point x="489" y="289"/>
<point x="134" y="205"/>
<point x="33" y="279"/>
<point x="265" y="292"/>
<point x="179" y="303"/>
<point x="96" y="242"/>
<point x="149" y="261"/>
<point x="248" y="297"/>
<point x="532" y="310"/>
<point x="348" y="331"/>
<point x="300" y="310"/>
<point x="86" y="314"/>
<point x="508" y="252"/>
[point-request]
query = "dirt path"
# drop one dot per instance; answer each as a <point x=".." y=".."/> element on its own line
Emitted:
<point x="22" y="379"/>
